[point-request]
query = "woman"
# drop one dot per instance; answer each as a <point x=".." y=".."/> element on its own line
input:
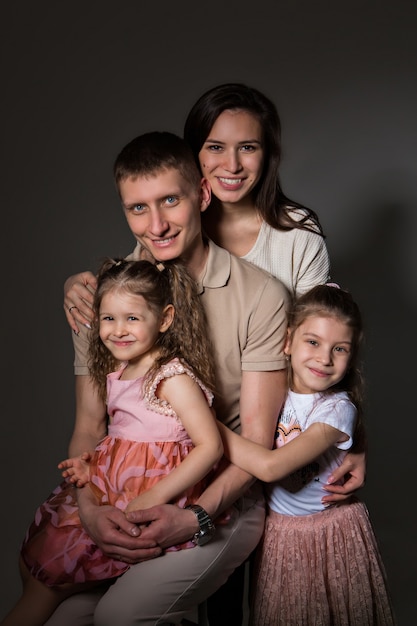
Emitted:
<point x="235" y="134"/>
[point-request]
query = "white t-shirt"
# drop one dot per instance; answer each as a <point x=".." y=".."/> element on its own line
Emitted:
<point x="301" y="492"/>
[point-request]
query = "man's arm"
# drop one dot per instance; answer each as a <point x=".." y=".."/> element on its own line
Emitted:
<point x="261" y="399"/>
<point x="106" y="525"/>
<point x="262" y="395"/>
<point x="90" y="417"/>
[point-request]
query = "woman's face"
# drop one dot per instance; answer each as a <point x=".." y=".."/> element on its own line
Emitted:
<point x="232" y="156"/>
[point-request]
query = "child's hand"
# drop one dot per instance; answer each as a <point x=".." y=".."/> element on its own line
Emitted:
<point x="76" y="470"/>
<point x="144" y="501"/>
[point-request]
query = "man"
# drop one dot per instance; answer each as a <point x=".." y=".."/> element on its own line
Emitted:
<point x="163" y="196"/>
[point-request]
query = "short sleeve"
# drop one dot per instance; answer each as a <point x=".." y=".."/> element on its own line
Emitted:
<point x="173" y="368"/>
<point x="311" y="261"/>
<point x="264" y="349"/>
<point x="339" y="413"/>
<point x="80" y="343"/>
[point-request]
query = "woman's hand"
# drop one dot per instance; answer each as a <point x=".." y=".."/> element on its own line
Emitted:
<point x="78" y="299"/>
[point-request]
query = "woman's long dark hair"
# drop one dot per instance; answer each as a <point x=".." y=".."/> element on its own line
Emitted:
<point x="273" y="205"/>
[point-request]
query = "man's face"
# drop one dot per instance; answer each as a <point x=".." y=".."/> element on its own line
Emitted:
<point x="163" y="212"/>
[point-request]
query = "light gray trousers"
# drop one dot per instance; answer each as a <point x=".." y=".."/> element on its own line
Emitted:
<point x="165" y="589"/>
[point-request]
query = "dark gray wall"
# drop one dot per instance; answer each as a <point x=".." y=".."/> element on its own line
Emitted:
<point x="81" y="79"/>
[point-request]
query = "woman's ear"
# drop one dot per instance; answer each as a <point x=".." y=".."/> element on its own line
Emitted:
<point x="167" y="318"/>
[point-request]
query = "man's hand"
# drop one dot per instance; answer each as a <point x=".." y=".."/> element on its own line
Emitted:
<point x="78" y="299"/>
<point x="166" y="524"/>
<point x="116" y="536"/>
<point x="353" y="470"/>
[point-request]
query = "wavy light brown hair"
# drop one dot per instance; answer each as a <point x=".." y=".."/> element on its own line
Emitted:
<point x="186" y="338"/>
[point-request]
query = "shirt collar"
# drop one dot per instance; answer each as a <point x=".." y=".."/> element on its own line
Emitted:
<point x="217" y="271"/>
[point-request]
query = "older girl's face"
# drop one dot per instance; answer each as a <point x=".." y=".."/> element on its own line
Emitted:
<point x="321" y="350"/>
<point x="232" y="156"/>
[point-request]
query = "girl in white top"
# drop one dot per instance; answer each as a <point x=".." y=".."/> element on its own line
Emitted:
<point x="315" y="565"/>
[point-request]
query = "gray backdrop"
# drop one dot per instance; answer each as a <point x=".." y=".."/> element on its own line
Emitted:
<point x="81" y="79"/>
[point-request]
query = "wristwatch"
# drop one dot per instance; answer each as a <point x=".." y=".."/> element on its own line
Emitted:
<point x="207" y="528"/>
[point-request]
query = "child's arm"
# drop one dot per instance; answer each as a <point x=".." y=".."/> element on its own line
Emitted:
<point x="271" y="465"/>
<point x="190" y="404"/>
<point x="76" y="469"/>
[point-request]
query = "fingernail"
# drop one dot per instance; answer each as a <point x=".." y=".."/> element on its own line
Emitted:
<point x="87" y="325"/>
<point x="76" y="332"/>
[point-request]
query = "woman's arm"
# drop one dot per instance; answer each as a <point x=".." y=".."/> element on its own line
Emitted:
<point x="189" y="403"/>
<point x="272" y="465"/>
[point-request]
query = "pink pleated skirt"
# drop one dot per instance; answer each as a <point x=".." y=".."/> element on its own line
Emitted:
<point x="320" y="570"/>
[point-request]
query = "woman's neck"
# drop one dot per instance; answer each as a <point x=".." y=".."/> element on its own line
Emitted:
<point x="233" y="226"/>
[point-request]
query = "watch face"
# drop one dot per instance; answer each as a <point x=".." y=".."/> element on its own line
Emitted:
<point x="207" y="527"/>
<point x="203" y="537"/>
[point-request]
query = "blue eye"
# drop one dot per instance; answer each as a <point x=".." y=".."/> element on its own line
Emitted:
<point x="138" y="208"/>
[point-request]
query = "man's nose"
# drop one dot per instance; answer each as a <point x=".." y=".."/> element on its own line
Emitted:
<point x="158" y="224"/>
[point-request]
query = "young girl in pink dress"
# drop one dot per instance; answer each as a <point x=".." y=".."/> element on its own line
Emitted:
<point x="151" y="358"/>
<point x="315" y="565"/>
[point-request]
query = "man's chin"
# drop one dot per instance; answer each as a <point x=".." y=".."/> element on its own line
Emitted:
<point x="162" y="254"/>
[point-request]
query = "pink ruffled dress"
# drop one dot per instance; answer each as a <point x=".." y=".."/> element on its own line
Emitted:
<point x="145" y="442"/>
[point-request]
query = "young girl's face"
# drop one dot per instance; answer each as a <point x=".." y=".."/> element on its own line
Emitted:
<point x="128" y="327"/>
<point x="320" y="350"/>
<point x="232" y="156"/>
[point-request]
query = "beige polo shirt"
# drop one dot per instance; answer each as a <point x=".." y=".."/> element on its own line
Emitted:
<point x="246" y="313"/>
